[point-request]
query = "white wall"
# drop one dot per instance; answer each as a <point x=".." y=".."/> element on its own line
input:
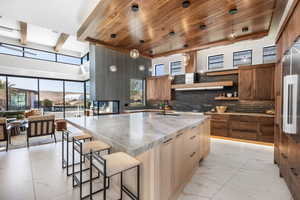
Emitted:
<point x="166" y="61"/>
<point x="255" y="45"/>
<point x="202" y="56"/>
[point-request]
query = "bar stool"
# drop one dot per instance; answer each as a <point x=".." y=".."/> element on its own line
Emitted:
<point x="111" y="165"/>
<point x="85" y="149"/>
<point x="67" y="137"/>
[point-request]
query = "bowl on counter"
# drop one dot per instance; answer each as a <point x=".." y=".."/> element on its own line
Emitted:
<point x="221" y="109"/>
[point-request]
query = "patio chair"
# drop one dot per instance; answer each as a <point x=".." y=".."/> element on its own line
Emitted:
<point x="3" y="131"/>
<point x="39" y="126"/>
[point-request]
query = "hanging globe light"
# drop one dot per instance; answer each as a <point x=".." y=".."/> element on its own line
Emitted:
<point x="134" y="53"/>
<point x="113" y="68"/>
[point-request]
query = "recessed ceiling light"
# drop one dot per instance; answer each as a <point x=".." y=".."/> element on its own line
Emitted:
<point x="113" y="35"/>
<point x="186" y="4"/>
<point x="186" y="45"/>
<point x="172" y="33"/>
<point x="142" y="41"/>
<point x="233" y="11"/>
<point x="202" y="27"/>
<point x="135" y="7"/>
<point x="151" y="52"/>
<point x="245" y="29"/>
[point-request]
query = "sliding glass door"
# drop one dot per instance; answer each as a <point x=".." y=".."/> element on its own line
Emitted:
<point x="74" y="99"/>
<point x="52" y="97"/>
<point x="2" y="93"/>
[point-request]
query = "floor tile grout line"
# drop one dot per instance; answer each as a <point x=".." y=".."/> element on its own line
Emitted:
<point x="32" y="179"/>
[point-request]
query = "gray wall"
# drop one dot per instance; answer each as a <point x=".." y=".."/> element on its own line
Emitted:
<point x="107" y="85"/>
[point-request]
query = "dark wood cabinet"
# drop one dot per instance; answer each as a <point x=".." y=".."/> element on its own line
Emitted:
<point x="257" y="128"/>
<point x="256" y="82"/>
<point x="159" y="88"/>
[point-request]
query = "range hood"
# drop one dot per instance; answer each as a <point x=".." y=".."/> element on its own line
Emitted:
<point x="203" y="86"/>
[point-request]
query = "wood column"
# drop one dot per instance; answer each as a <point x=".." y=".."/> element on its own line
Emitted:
<point x="191" y="67"/>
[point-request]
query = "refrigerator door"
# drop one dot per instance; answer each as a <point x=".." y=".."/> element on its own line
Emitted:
<point x="290" y="101"/>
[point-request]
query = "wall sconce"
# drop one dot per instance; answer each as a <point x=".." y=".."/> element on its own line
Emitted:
<point x="113" y="68"/>
<point x="142" y="68"/>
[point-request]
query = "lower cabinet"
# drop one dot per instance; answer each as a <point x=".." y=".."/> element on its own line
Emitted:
<point x="179" y="156"/>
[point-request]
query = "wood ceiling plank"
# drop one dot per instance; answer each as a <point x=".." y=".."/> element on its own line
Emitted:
<point x="61" y="41"/>
<point x="155" y="19"/>
<point x="23" y="33"/>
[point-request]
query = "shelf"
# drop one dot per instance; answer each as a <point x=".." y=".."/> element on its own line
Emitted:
<point x="223" y="73"/>
<point x="227" y="98"/>
<point x="203" y="86"/>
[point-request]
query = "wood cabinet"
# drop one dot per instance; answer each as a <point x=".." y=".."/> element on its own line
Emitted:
<point x="256" y="82"/>
<point x="158" y="88"/>
<point x="179" y="164"/>
<point x="257" y="128"/>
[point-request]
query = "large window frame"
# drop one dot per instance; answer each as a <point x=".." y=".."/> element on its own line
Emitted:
<point x="212" y="57"/>
<point x="86" y="56"/>
<point x="155" y="69"/>
<point x="38" y="86"/>
<point x="234" y="60"/>
<point x="171" y="67"/>
<point x="267" y="55"/>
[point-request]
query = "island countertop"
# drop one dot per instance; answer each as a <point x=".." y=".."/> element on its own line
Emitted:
<point x="138" y="132"/>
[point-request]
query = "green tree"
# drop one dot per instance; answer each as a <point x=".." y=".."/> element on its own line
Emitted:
<point x="47" y="103"/>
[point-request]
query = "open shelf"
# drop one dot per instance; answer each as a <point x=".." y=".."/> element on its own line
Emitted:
<point x="200" y="86"/>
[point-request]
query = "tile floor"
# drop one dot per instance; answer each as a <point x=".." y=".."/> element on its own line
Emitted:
<point x="233" y="171"/>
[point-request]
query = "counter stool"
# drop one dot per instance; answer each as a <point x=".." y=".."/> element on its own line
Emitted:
<point x="84" y="149"/>
<point x="111" y="165"/>
<point x="67" y="137"/>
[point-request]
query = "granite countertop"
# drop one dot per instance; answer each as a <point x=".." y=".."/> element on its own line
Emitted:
<point x="136" y="133"/>
<point x="142" y="110"/>
<point x="239" y="113"/>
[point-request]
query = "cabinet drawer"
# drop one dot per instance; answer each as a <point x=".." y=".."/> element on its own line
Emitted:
<point x="219" y="132"/>
<point x="284" y="166"/>
<point x="243" y="118"/>
<point x="219" y="124"/>
<point x="220" y="117"/>
<point x="246" y="135"/>
<point x="191" y="144"/>
<point x="294" y="179"/>
<point x="191" y="162"/>
<point x="243" y="126"/>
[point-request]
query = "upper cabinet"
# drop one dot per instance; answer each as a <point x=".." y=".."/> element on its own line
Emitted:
<point x="256" y="82"/>
<point x="159" y="88"/>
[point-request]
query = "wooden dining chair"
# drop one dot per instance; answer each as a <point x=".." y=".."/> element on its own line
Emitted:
<point x="39" y="126"/>
<point x="4" y="131"/>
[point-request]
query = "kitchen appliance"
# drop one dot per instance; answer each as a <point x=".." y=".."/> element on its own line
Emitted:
<point x="291" y="90"/>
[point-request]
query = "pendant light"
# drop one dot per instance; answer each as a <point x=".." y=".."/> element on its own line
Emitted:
<point x="142" y="68"/>
<point x="113" y="68"/>
<point x="134" y="53"/>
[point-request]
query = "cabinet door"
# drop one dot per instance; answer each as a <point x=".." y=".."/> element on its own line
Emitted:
<point x="166" y="169"/>
<point x="207" y="131"/>
<point x="179" y="168"/>
<point x="219" y="128"/>
<point x="264" y="83"/>
<point x="151" y="85"/>
<point x="246" y="90"/>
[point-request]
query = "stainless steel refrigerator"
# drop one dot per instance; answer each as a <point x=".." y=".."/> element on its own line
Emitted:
<point x="291" y="90"/>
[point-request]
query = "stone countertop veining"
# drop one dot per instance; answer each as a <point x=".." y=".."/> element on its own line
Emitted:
<point x="138" y="132"/>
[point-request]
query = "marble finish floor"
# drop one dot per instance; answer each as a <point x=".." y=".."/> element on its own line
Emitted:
<point x="233" y="171"/>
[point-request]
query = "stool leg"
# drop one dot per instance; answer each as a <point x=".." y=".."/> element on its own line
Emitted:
<point x="104" y="187"/>
<point x="91" y="177"/>
<point x="68" y="154"/>
<point x="138" y="182"/>
<point x="80" y="173"/>
<point x="121" y="188"/>
<point x="62" y="150"/>
<point x="73" y="158"/>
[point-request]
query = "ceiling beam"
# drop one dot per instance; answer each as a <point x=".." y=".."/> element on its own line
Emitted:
<point x="60" y="41"/>
<point x="214" y="44"/>
<point x="23" y="32"/>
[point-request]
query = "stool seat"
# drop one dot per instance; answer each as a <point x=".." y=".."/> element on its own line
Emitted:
<point x="93" y="146"/>
<point x="119" y="162"/>
<point x="80" y="136"/>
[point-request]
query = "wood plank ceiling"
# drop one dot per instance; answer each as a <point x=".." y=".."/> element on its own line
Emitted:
<point x="204" y="23"/>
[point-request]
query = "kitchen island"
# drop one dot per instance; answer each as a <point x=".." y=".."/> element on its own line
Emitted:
<point x="169" y="147"/>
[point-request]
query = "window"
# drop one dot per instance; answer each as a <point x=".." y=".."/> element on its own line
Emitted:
<point x="2" y="93"/>
<point x="85" y="58"/>
<point x="68" y="59"/>
<point x="22" y="93"/>
<point x="136" y="92"/>
<point x="37" y="54"/>
<point x="269" y="54"/>
<point x="11" y="50"/>
<point x="74" y="98"/>
<point x="242" y="58"/>
<point x="175" y="68"/>
<point x="88" y="94"/>
<point x="159" y="70"/>
<point x="51" y="97"/>
<point x="215" y="62"/>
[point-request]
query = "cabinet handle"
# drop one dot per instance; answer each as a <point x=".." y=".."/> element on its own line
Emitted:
<point x="193" y="137"/>
<point x="192" y="154"/>
<point x="294" y="172"/>
<point x="180" y="134"/>
<point x="167" y="141"/>
<point x="284" y="156"/>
